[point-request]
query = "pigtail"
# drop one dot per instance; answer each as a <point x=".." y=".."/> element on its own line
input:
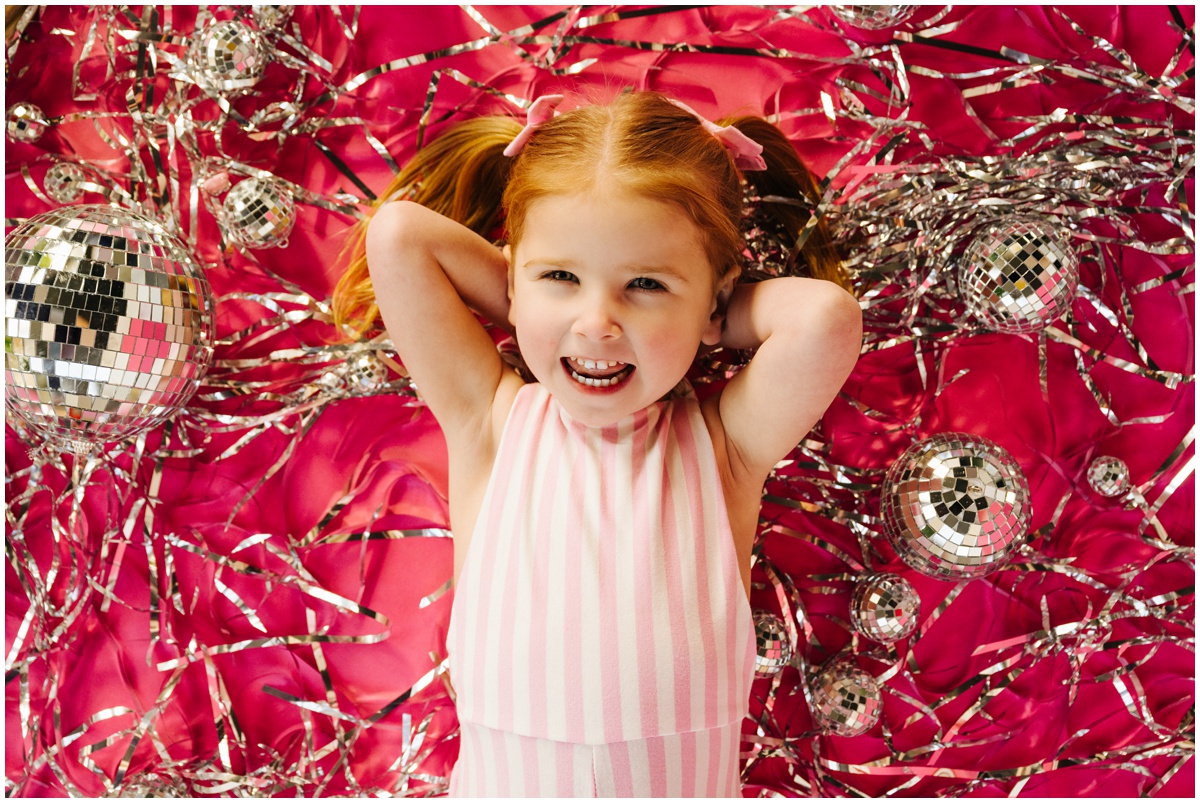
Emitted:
<point x="786" y="176"/>
<point x="461" y="174"/>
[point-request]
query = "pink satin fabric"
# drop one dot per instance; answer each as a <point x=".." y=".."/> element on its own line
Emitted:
<point x="391" y="456"/>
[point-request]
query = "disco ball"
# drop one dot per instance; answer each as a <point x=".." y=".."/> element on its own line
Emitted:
<point x="258" y="213"/>
<point x="1108" y="476"/>
<point x="109" y="324"/>
<point x="25" y="122"/>
<point x="364" y="372"/>
<point x="955" y="506"/>
<point x="64" y="182"/>
<point x="227" y="56"/>
<point x="272" y="16"/>
<point x="773" y="646"/>
<point x="884" y="607"/>
<point x="1018" y="275"/>
<point x="874" y="18"/>
<point x="845" y="699"/>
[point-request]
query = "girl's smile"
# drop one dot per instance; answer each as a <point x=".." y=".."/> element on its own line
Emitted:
<point x="603" y="375"/>
<point x="612" y="294"/>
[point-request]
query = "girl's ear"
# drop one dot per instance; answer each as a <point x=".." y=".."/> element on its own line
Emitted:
<point x="716" y="320"/>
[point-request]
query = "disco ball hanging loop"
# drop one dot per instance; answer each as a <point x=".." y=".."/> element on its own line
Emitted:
<point x="109" y="322"/>
<point x="955" y="506"/>
<point x="1018" y="275"/>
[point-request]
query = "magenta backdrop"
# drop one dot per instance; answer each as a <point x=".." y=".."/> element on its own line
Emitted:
<point x="253" y="599"/>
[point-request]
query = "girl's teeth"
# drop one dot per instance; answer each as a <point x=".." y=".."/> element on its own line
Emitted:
<point x="592" y="365"/>
<point x="596" y="383"/>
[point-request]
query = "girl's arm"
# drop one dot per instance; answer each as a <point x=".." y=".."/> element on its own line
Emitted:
<point x="428" y="273"/>
<point x="808" y="333"/>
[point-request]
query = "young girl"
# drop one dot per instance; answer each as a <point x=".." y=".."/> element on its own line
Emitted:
<point x="601" y="641"/>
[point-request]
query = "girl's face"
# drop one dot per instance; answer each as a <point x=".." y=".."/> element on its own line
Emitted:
<point x="612" y="295"/>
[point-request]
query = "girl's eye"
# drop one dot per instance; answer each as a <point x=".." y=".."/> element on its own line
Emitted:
<point x="559" y="276"/>
<point x="642" y="283"/>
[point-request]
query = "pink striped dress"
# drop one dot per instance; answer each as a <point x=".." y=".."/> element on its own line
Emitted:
<point x="600" y="639"/>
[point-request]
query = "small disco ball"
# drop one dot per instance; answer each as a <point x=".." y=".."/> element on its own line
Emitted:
<point x="884" y="607"/>
<point x="955" y="506"/>
<point x="271" y="16"/>
<point x="773" y="646"/>
<point x="64" y="182"/>
<point x="258" y="213"/>
<point x="25" y="122"/>
<point x="109" y="324"/>
<point x="874" y="18"/>
<point x="845" y="699"/>
<point x="365" y="372"/>
<point x="1018" y="275"/>
<point x="227" y="56"/>
<point x="1108" y="476"/>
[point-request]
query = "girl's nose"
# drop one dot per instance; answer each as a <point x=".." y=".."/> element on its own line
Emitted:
<point x="597" y="321"/>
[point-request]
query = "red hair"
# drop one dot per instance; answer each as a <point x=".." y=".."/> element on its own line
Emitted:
<point x="640" y="143"/>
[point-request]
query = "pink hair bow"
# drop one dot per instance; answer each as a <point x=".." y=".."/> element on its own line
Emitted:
<point x="747" y="154"/>
<point x="540" y="112"/>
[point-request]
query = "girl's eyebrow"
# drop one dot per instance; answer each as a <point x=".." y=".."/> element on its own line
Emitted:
<point x="549" y="263"/>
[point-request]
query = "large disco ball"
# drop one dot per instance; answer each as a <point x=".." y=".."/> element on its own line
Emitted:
<point x="884" y="607"/>
<point x="955" y="506"/>
<point x="874" y="18"/>
<point x="227" y="56"/>
<point x="109" y="324"/>
<point x="845" y="699"/>
<point x="773" y="646"/>
<point x="1018" y="275"/>
<point x="258" y="213"/>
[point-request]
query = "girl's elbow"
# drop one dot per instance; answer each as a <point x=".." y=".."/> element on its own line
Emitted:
<point x="394" y="228"/>
<point x="842" y="317"/>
